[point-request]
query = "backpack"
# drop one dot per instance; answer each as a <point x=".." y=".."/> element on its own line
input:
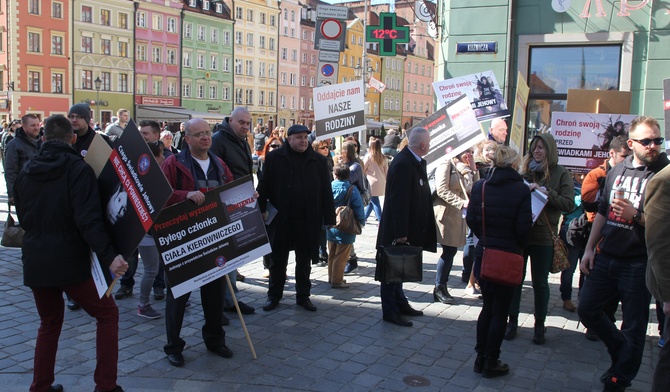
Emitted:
<point x="259" y="141"/>
<point x="345" y="218"/>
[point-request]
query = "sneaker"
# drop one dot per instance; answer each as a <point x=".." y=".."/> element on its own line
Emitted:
<point x="661" y="342"/>
<point x="147" y="311"/>
<point x="472" y="290"/>
<point x="352" y="266"/>
<point x="123" y="292"/>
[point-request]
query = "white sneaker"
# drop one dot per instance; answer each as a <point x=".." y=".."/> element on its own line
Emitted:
<point x="473" y="291"/>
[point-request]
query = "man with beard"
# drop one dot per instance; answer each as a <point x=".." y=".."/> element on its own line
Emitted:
<point x="21" y="149"/>
<point x="618" y="269"/>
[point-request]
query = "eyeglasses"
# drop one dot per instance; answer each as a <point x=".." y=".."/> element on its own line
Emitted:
<point x="323" y="148"/>
<point x="200" y="135"/>
<point x="646" y="142"/>
<point x="275" y="145"/>
<point x="75" y="117"/>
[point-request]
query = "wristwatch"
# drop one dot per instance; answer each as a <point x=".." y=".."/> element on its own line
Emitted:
<point x="636" y="217"/>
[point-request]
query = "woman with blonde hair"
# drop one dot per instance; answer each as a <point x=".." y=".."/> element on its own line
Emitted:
<point x="375" y="167"/>
<point x="541" y="170"/>
<point x="504" y="225"/>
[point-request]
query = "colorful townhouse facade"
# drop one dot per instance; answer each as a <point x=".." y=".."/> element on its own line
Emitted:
<point x="289" y="63"/>
<point x="309" y="60"/>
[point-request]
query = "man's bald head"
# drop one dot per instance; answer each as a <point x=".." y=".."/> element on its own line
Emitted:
<point x="499" y="130"/>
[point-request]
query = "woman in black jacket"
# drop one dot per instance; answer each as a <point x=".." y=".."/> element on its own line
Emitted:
<point x="508" y="221"/>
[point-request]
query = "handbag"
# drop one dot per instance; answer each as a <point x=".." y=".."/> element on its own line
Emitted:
<point x="400" y="263"/>
<point x="345" y="219"/>
<point x="499" y="266"/>
<point x="560" y="260"/>
<point x="12" y="235"/>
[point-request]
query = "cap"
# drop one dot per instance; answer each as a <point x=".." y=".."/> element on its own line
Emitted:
<point x="297" y="128"/>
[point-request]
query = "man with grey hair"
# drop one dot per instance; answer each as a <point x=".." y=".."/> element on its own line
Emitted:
<point x="498" y="131"/>
<point x="391" y="141"/>
<point x="412" y="223"/>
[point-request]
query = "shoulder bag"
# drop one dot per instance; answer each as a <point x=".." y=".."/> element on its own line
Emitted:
<point x="345" y="219"/>
<point x="560" y="260"/>
<point x="499" y="266"/>
<point x="12" y="235"/>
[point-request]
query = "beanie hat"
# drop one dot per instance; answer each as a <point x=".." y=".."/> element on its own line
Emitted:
<point x="297" y="128"/>
<point x="81" y="109"/>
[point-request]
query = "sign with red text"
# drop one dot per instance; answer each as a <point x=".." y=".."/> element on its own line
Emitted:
<point x="583" y="139"/>
<point x="482" y="90"/>
<point x="453" y="129"/>
<point x="339" y="109"/>
<point x="198" y="244"/>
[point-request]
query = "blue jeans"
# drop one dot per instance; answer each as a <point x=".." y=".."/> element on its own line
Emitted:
<point x="374" y="203"/>
<point x="626" y="278"/>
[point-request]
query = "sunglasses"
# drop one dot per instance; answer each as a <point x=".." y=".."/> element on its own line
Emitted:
<point x="646" y="142"/>
<point x="275" y="145"/>
<point x="323" y="148"/>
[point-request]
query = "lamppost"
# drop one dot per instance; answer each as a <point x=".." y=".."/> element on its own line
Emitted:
<point x="98" y="83"/>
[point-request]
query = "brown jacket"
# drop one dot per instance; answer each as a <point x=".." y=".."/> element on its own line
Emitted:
<point x="657" y="226"/>
<point x="453" y="184"/>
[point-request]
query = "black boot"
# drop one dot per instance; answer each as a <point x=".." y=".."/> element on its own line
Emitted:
<point x="440" y="294"/>
<point x="479" y="363"/>
<point x="494" y="368"/>
<point x="510" y="332"/>
<point x="538" y="337"/>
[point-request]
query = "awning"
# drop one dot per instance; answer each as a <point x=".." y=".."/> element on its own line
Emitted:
<point x="174" y="114"/>
<point x="378" y="125"/>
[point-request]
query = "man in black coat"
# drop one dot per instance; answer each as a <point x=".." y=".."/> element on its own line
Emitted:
<point x="23" y="147"/>
<point x="295" y="181"/>
<point x="80" y="118"/>
<point x="407" y="217"/>
<point x="58" y="203"/>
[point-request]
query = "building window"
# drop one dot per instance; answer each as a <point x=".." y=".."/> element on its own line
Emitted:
<point x="238" y="67"/>
<point x="304" y="58"/>
<point x="292" y="79"/>
<point x="86" y="14"/>
<point x="141" y="19"/>
<point x="238" y="96"/>
<point x="105" y="17"/>
<point x="34" y="42"/>
<point x="214" y="62"/>
<point x="34" y="81"/>
<point x="344" y="59"/>
<point x="271" y="71"/>
<point x="302" y="103"/>
<point x="123" y="83"/>
<point x="311" y="81"/>
<point x="188" y="28"/>
<point x="292" y="16"/>
<point x="172" y="56"/>
<point x="261" y="70"/>
<point x="271" y="98"/>
<point x="304" y="35"/>
<point x="157" y="55"/>
<point x="106" y="46"/>
<point x="57" y="10"/>
<point x="201" y="33"/>
<point x="57" y="83"/>
<point x="123" y="49"/>
<point x="142" y="86"/>
<point x="34" y="7"/>
<point x="186" y="90"/>
<point x="141" y="52"/>
<point x="294" y="55"/>
<point x="56" y="45"/>
<point x="313" y="61"/>
<point x="157" y="22"/>
<point x="238" y="38"/>
<point x="87" y="80"/>
<point x="106" y="81"/>
<point x="171" y="25"/>
<point x="303" y="80"/>
<point x="250" y="15"/>
<point x="273" y="22"/>
<point x="238" y="13"/>
<point x="250" y="67"/>
<point x="261" y="42"/>
<point x="214" y="35"/>
<point x="212" y="92"/>
<point x="292" y="33"/>
<point x="282" y="102"/>
<point x="205" y="5"/>
<point x="172" y="89"/>
<point x="271" y="45"/>
<point x="87" y="44"/>
<point x="249" y="97"/>
<point x="250" y="39"/>
<point x="226" y="64"/>
<point x="226" y="37"/>
<point x="261" y="98"/>
<point x="283" y="78"/>
<point x="123" y="21"/>
<point x="157" y="88"/>
<point x="284" y="54"/>
<point x="225" y="93"/>
<point x="263" y="18"/>
<point x="200" y="61"/>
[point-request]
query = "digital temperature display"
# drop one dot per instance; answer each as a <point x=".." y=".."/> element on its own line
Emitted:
<point x="388" y="34"/>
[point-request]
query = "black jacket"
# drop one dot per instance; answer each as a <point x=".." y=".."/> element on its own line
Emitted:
<point x="280" y="174"/>
<point x="232" y="150"/>
<point x="58" y="204"/>
<point x="508" y="210"/>
<point x="19" y="151"/>
<point x="84" y="142"/>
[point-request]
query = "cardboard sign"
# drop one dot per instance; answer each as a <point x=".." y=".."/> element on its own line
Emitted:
<point x="598" y="101"/>
<point x="517" y="139"/>
<point x="339" y="109"/>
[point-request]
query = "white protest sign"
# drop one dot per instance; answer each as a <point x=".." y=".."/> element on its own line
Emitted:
<point x="339" y="109"/>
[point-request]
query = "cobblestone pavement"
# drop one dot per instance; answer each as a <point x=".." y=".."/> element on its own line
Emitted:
<point x="343" y="346"/>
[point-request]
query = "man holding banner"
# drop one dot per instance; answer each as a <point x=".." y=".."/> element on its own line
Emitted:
<point x="191" y="172"/>
<point x="58" y="203"/>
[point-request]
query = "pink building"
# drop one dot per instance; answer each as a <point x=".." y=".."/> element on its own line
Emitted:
<point x="309" y="60"/>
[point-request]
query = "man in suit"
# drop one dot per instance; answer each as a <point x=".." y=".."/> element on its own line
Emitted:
<point x="657" y="212"/>
<point x="407" y="217"/>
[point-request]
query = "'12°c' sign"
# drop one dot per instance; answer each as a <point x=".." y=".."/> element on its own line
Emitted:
<point x="387" y="34"/>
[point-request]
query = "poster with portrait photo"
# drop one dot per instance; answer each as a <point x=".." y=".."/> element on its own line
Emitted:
<point x="133" y="190"/>
<point x="483" y="92"/>
<point x="200" y="243"/>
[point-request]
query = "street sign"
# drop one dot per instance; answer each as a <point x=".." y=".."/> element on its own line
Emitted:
<point x="328" y="56"/>
<point x="330" y="34"/>
<point x="388" y="34"/>
<point x="328" y="11"/>
<point x="327" y="73"/>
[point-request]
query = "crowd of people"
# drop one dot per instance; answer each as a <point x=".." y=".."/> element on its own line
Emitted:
<point x="482" y="198"/>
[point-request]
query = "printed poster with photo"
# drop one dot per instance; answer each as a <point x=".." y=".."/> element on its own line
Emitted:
<point x="482" y="90"/>
<point x="583" y="139"/>
<point x="200" y="243"/>
<point x="453" y="129"/>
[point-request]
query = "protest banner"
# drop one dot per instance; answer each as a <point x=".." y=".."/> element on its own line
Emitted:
<point x="200" y="243"/>
<point x="133" y="190"/>
<point x="339" y="109"/>
<point x="583" y="139"/>
<point x="517" y="139"/>
<point x="453" y="129"/>
<point x="482" y="90"/>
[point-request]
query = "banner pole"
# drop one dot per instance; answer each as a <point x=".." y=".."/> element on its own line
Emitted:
<point x="239" y="313"/>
